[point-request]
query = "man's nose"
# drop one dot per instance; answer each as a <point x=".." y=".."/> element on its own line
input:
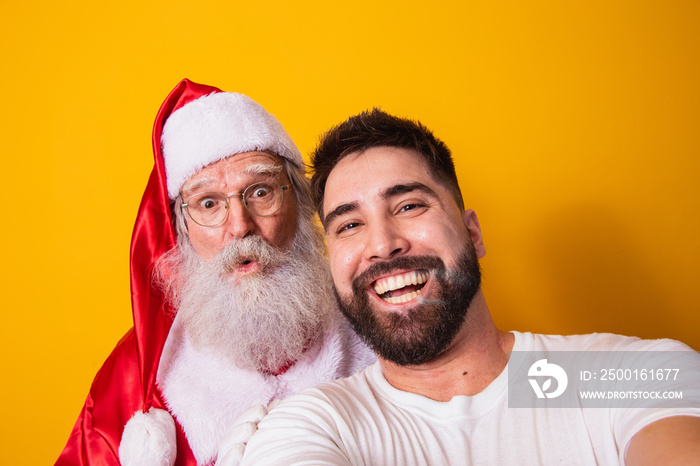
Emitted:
<point x="385" y="241"/>
<point x="240" y="222"/>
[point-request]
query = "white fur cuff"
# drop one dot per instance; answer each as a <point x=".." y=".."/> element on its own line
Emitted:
<point x="149" y="440"/>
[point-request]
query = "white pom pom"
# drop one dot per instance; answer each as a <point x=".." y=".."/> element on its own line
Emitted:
<point x="149" y="440"/>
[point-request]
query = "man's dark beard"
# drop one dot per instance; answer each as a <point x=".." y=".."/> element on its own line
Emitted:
<point x="428" y="328"/>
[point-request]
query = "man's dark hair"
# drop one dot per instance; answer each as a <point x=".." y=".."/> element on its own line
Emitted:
<point x="376" y="128"/>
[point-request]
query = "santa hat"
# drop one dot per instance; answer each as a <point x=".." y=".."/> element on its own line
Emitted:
<point x="217" y="126"/>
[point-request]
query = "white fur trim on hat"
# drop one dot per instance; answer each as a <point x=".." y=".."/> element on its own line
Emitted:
<point x="217" y="126"/>
<point x="149" y="439"/>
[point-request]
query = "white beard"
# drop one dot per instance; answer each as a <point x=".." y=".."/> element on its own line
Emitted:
<point x="260" y="321"/>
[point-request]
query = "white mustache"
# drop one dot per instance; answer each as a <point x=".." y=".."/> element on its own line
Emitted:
<point x="250" y="248"/>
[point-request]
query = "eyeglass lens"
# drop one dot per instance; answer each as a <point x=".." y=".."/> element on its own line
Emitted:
<point x="211" y="208"/>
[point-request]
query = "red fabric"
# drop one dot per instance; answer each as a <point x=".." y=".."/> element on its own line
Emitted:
<point x="153" y="235"/>
<point x="114" y="397"/>
<point x="127" y="380"/>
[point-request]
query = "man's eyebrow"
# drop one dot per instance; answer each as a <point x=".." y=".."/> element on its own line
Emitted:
<point x="340" y="210"/>
<point x="395" y="190"/>
<point x="407" y="188"/>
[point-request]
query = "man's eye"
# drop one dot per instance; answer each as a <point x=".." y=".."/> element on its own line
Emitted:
<point x="407" y="207"/>
<point x="347" y="227"/>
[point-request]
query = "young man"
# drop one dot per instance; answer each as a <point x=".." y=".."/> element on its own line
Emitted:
<point x="404" y="258"/>
<point x="240" y="311"/>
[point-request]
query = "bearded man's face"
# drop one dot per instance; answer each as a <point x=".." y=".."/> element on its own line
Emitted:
<point x="403" y="253"/>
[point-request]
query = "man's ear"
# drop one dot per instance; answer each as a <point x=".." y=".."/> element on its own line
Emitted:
<point x="472" y="223"/>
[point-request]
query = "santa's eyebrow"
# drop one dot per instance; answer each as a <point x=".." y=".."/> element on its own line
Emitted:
<point x="196" y="185"/>
<point x="263" y="169"/>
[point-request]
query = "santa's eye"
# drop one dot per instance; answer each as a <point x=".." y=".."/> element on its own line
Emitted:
<point x="261" y="191"/>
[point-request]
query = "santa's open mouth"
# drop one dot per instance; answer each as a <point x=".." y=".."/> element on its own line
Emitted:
<point x="401" y="288"/>
<point x="246" y="266"/>
<point x="246" y="260"/>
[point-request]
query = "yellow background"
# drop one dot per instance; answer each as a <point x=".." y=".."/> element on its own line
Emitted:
<point x="575" y="127"/>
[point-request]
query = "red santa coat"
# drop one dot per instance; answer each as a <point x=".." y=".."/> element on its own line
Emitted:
<point x="126" y="383"/>
<point x="113" y="399"/>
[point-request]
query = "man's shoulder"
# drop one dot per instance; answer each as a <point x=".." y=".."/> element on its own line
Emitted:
<point x="598" y="342"/>
<point x="315" y="423"/>
<point x="344" y="391"/>
<point x="355" y="384"/>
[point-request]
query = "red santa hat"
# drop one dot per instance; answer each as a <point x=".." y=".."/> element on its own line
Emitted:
<point x="217" y="126"/>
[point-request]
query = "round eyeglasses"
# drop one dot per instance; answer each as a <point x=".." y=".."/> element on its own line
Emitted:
<point x="210" y="209"/>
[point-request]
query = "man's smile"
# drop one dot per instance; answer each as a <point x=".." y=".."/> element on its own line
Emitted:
<point x="402" y="287"/>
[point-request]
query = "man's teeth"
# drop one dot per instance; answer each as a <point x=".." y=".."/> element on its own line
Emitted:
<point x="404" y="298"/>
<point x="384" y="285"/>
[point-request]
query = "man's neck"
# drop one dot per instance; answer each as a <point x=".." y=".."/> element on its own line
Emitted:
<point x="477" y="356"/>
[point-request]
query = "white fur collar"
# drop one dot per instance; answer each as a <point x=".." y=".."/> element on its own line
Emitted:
<point x="206" y="392"/>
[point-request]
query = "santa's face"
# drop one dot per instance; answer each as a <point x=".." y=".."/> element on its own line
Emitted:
<point x="233" y="175"/>
<point x="233" y="314"/>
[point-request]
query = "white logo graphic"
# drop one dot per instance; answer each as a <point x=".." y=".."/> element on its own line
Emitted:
<point x="542" y="369"/>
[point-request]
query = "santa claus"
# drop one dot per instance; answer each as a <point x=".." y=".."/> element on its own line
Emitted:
<point x="232" y="299"/>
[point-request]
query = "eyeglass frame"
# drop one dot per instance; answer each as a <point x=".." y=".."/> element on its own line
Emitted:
<point x="243" y="201"/>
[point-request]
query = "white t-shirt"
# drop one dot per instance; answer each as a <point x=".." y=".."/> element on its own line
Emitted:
<point x="364" y="420"/>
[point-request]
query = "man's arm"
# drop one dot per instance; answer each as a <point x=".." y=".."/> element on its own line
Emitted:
<point x="296" y="433"/>
<point x="672" y="440"/>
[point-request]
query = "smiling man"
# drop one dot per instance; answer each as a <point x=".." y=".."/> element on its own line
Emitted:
<point x="405" y="263"/>
<point x="231" y="293"/>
